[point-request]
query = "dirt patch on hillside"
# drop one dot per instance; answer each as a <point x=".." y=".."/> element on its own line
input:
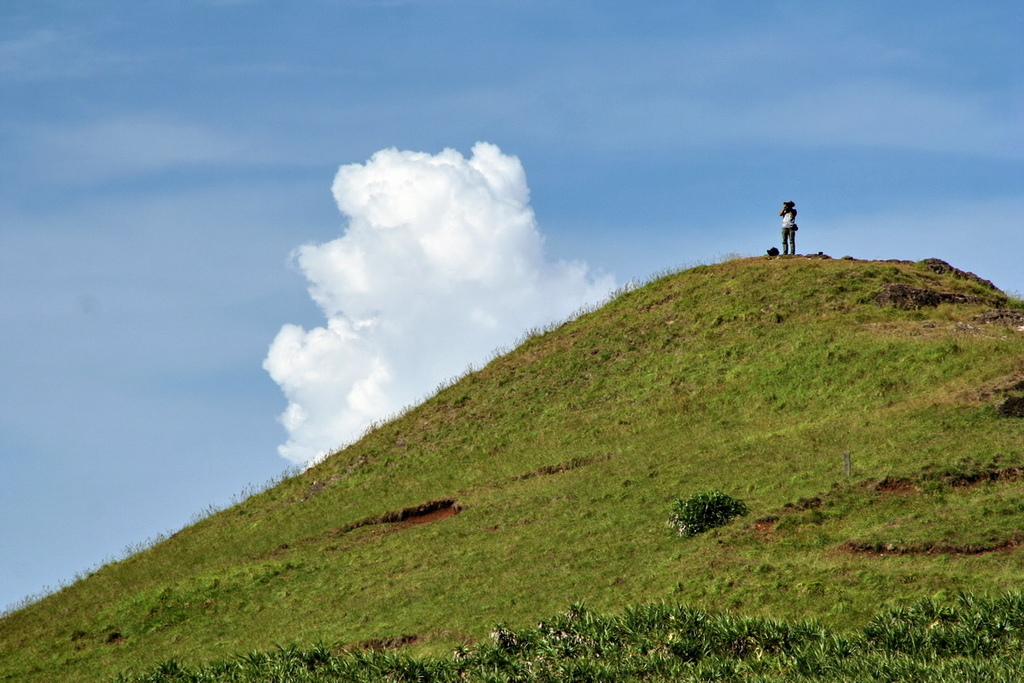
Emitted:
<point x="425" y="513"/>
<point x="963" y="474"/>
<point x="809" y="503"/>
<point x="801" y="513"/>
<point x="1012" y="406"/>
<point x="424" y="510"/>
<point x="1008" y="385"/>
<point x="910" y="298"/>
<point x="388" y="643"/>
<point x="561" y="467"/>
<point x="318" y="486"/>
<point x="428" y="517"/>
<point x="116" y="638"/>
<point x="906" y="297"/>
<point x="885" y="548"/>
<point x="1002" y="316"/>
<point x="766" y="525"/>
<point x="895" y="485"/>
<point x="974" y="475"/>
<point x="1011" y="389"/>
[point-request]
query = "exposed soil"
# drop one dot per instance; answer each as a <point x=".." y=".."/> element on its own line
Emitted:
<point x="1003" y="386"/>
<point x="811" y="503"/>
<point x="1002" y="316"/>
<point x="908" y="298"/>
<point x="389" y="643"/>
<point x="318" y="486"/>
<point x="417" y="511"/>
<point x="897" y="485"/>
<point x="428" y="517"/>
<point x="966" y="474"/>
<point x="115" y="638"/>
<point x="559" y="468"/>
<point x="425" y="513"/>
<point x="1012" y="406"/>
<point x="436" y="510"/>
<point x="977" y="475"/>
<point x="766" y="525"/>
<point x="880" y="548"/>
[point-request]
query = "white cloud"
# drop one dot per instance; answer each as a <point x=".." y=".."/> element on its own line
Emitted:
<point x="442" y="263"/>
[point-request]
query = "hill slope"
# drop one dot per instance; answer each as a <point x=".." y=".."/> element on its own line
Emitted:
<point x="547" y="478"/>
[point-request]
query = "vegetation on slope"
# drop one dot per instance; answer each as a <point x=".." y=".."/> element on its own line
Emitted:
<point x="550" y="474"/>
<point x="976" y="639"/>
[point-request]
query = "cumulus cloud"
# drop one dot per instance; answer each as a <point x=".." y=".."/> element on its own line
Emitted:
<point x="442" y="262"/>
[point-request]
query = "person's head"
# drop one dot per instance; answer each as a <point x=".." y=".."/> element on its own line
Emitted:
<point x="788" y="205"/>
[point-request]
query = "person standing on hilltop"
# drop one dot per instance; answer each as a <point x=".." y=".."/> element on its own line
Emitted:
<point x="789" y="227"/>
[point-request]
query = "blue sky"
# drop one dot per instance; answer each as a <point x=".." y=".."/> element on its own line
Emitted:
<point x="162" y="160"/>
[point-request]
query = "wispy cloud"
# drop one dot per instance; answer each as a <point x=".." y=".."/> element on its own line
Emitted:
<point x="48" y="53"/>
<point x="812" y="83"/>
<point x="891" y="114"/>
<point x="126" y="146"/>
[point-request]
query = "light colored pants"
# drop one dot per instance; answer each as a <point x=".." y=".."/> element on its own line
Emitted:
<point x="788" y="241"/>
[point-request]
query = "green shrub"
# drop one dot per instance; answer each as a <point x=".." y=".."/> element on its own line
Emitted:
<point x="704" y="511"/>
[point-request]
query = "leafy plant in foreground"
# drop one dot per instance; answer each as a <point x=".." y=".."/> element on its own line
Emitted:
<point x="977" y="639"/>
<point x="704" y="511"/>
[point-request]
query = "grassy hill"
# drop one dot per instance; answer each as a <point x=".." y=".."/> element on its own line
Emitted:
<point x="547" y="477"/>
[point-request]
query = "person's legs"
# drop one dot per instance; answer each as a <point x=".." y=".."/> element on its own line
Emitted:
<point x="787" y="240"/>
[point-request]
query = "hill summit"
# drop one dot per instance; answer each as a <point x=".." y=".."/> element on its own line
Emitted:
<point x="864" y="412"/>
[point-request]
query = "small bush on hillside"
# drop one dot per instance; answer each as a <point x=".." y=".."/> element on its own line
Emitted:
<point x="704" y="511"/>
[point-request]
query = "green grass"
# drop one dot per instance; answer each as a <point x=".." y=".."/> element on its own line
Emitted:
<point x="750" y="377"/>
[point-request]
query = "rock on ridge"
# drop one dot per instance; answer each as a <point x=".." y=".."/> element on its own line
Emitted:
<point x="941" y="267"/>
